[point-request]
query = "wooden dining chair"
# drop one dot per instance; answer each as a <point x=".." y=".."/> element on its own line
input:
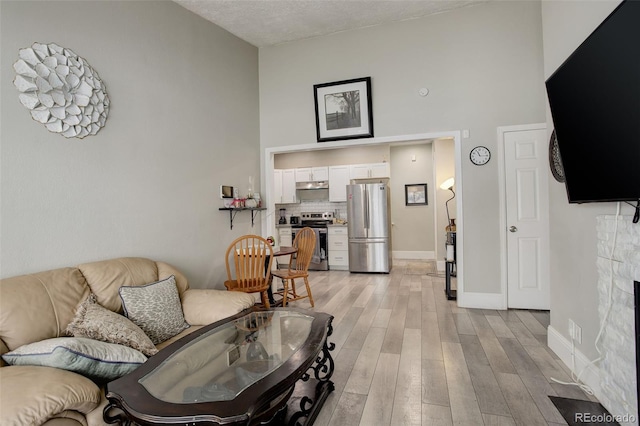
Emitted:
<point x="305" y="242"/>
<point x="248" y="261"/>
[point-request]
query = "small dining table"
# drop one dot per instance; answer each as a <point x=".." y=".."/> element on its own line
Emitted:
<point x="282" y="251"/>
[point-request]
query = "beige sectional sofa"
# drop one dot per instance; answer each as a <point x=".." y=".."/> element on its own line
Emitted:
<point x="40" y="306"/>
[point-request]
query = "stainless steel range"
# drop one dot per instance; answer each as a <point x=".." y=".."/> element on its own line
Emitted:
<point x="318" y="221"/>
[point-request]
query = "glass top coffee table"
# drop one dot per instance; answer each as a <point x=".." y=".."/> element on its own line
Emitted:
<point x="251" y="368"/>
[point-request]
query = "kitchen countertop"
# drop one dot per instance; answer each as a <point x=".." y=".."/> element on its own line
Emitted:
<point x="337" y="225"/>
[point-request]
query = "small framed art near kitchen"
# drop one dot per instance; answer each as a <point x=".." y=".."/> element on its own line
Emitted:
<point x="415" y="194"/>
<point x="343" y="110"/>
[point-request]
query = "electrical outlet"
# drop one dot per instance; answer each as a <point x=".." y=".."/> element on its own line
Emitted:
<point x="572" y="327"/>
<point x="577" y="332"/>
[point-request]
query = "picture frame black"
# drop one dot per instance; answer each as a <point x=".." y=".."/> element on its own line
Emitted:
<point x="343" y="109"/>
<point x="415" y="194"/>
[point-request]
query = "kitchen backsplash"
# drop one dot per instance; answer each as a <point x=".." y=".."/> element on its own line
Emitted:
<point x="339" y="209"/>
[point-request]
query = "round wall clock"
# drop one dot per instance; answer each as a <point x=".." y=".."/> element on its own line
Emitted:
<point x="555" y="162"/>
<point x="480" y="155"/>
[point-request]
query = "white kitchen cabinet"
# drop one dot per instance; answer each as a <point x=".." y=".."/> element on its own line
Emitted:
<point x="285" y="239"/>
<point x="289" y="186"/>
<point x="338" y="181"/>
<point x="359" y="171"/>
<point x="277" y="186"/>
<point x="312" y="174"/>
<point x="303" y="174"/>
<point x="372" y="170"/>
<point x="338" y="247"/>
<point x="320" y="173"/>
<point x="284" y="186"/>
<point x="379" y="170"/>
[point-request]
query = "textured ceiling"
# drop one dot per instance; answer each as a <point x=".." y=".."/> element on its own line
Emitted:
<point x="269" y="22"/>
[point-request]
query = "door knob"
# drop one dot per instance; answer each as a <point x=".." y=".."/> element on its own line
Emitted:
<point x="513" y="229"/>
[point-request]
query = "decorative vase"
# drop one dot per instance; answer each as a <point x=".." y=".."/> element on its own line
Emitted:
<point x="452" y="226"/>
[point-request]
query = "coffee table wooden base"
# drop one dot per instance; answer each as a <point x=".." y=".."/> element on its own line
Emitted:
<point x="311" y="392"/>
<point x="303" y="410"/>
<point x="299" y="405"/>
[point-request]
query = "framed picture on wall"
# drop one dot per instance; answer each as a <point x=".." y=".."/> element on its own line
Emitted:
<point x="415" y="194"/>
<point x="343" y="110"/>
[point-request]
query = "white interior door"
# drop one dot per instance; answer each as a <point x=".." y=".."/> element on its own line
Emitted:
<point x="527" y="219"/>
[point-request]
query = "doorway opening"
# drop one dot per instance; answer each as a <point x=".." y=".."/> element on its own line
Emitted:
<point x="436" y="196"/>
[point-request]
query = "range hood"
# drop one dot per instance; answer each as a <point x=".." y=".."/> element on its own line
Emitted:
<point x="312" y="191"/>
<point x="312" y="186"/>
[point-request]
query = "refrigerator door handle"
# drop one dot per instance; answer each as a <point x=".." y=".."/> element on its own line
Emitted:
<point x="366" y="210"/>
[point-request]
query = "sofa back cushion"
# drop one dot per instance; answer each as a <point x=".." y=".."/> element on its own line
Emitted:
<point x="39" y="306"/>
<point x="106" y="277"/>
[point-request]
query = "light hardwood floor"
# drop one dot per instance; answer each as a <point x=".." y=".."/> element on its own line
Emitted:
<point x="405" y="355"/>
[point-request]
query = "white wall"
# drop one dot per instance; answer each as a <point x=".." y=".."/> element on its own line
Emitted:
<point x="483" y="66"/>
<point x="574" y="290"/>
<point x="183" y="120"/>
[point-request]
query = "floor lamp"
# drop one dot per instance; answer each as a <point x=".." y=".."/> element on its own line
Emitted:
<point x="448" y="184"/>
<point x="450" y="264"/>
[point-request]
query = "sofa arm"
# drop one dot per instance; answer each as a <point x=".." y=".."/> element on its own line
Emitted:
<point x="205" y="306"/>
<point x="31" y="394"/>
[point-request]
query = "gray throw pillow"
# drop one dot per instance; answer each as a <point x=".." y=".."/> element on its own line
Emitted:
<point x="155" y="308"/>
<point x="94" y="321"/>
<point x="99" y="361"/>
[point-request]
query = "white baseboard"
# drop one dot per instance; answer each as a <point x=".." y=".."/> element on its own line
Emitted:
<point x="481" y="300"/>
<point x="418" y="255"/>
<point x="562" y="347"/>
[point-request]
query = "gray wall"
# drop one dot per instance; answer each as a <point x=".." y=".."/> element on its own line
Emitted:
<point x="184" y="120"/>
<point x="413" y="227"/>
<point x="574" y="277"/>
<point x="443" y="151"/>
<point x="333" y="157"/>
<point x="483" y="66"/>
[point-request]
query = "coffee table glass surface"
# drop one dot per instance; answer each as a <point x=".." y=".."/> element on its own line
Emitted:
<point x="219" y="364"/>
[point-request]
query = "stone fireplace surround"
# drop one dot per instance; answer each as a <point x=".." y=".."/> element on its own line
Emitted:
<point x="613" y="379"/>
<point x="618" y="379"/>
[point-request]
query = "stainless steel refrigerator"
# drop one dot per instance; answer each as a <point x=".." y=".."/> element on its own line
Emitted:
<point x="369" y="227"/>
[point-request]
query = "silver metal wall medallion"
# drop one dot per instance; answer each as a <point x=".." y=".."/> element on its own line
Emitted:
<point x="61" y="90"/>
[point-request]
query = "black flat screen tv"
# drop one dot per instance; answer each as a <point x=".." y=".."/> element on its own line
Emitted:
<point x="594" y="98"/>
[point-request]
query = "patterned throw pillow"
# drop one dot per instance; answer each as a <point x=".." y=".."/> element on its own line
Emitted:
<point x="155" y="308"/>
<point x="99" y="361"/>
<point x="96" y="322"/>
